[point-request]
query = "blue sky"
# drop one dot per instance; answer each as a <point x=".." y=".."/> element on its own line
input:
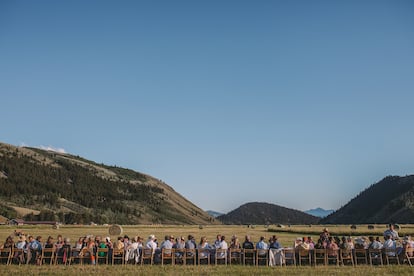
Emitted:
<point x="296" y="103"/>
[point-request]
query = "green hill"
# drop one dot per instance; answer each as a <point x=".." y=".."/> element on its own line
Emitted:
<point x="266" y="213"/>
<point x="70" y="189"/>
<point x="390" y="200"/>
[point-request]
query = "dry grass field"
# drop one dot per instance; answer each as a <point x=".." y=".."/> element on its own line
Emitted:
<point x="286" y="237"/>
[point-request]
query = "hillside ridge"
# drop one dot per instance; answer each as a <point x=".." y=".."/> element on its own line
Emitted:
<point x="389" y="200"/>
<point x="72" y="189"/>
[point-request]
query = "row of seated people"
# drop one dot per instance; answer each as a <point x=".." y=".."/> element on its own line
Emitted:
<point x="90" y="249"/>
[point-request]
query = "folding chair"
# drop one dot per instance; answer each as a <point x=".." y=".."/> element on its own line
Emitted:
<point x="147" y="254"/>
<point x="360" y="256"/>
<point x="332" y="256"/>
<point x="290" y="257"/>
<point x="5" y="255"/>
<point x="179" y="256"/>
<point x="76" y="257"/>
<point x="249" y="256"/>
<point x="190" y="256"/>
<point x="409" y="256"/>
<point x="235" y="256"/>
<point x="220" y="255"/>
<point x="167" y="255"/>
<point x="102" y="254"/>
<point x="305" y="256"/>
<point x="391" y="255"/>
<point x="262" y="256"/>
<point x="276" y="257"/>
<point x="47" y="256"/>
<point x="346" y="256"/>
<point x="118" y="256"/>
<point x="18" y="256"/>
<point x="375" y="256"/>
<point x="203" y="256"/>
<point x="63" y="256"/>
<point x="319" y="256"/>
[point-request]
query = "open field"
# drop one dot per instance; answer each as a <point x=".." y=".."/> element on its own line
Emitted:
<point x="203" y="270"/>
<point x="286" y="237"/>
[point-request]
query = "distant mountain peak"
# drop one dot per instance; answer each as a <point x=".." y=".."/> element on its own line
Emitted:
<point x="319" y="212"/>
<point x="266" y="213"/>
<point x="214" y="213"/>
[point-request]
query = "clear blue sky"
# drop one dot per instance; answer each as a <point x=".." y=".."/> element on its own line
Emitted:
<point x="296" y="103"/>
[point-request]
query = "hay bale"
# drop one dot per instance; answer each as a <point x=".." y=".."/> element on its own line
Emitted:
<point x="115" y="230"/>
<point x="397" y="227"/>
<point x="55" y="226"/>
<point x="200" y="227"/>
<point x="353" y="227"/>
<point x="371" y="227"/>
<point x="280" y="226"/>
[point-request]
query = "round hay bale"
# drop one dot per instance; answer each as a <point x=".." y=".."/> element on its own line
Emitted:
<point x="55" y="226"/>
<point x="115" y="230"/>
<point x="370" y="227"/>
<point x="200" y="227"/>
<point x="397" y="227"/>
<point x="353" y="227"/>
<point x="280" y="226"/>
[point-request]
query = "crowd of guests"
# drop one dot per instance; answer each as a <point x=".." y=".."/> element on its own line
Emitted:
<point x="130" y="249"/>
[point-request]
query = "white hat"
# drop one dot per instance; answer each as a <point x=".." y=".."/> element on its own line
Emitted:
<point x="151" y="237"/>
<point x="108" y="239"/>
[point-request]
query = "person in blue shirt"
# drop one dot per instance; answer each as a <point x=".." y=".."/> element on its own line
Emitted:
<point x="274" y="243"/>
<point x="262" y="244"/>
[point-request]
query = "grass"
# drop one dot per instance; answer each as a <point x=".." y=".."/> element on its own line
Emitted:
<point x="204" y="270"/>
<point x="286" y="237"/>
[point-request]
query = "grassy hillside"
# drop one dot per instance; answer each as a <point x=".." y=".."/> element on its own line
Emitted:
<point x="72" y="189"/>
<point x="390" y="200"/>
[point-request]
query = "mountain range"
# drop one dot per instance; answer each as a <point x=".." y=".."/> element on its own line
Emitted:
<point x="37" y="184"/>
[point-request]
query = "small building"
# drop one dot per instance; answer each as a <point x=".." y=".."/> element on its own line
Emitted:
<point x="16" y="221"/>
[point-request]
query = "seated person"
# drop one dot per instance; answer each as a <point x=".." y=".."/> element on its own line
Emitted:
<point x="389" y="244"/>
<point x="247" y="244"/>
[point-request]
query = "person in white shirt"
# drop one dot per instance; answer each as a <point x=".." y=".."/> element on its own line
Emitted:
<point x="151" y="242"/>
<point x="374" y="244"/>
<point x="392" y="232"/>
<point x="223" y="243"/>
<point x="389" y="244"/>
